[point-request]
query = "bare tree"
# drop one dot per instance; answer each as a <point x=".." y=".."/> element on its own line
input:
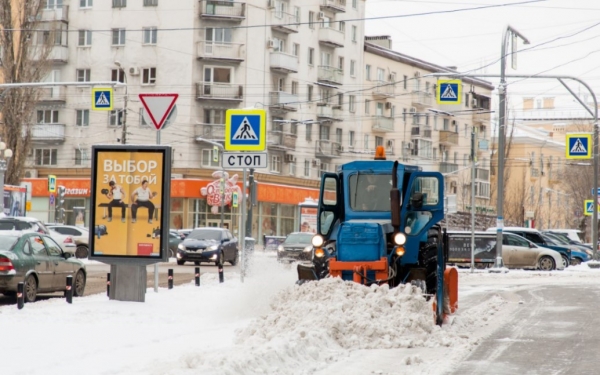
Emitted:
<point x="25" y="44"/>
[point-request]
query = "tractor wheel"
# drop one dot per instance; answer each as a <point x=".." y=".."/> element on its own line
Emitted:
<point x="428" y="260"/>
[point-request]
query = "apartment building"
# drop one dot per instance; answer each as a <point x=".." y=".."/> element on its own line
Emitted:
<point x="294" y="58"/>
<point x="398" y="110"/>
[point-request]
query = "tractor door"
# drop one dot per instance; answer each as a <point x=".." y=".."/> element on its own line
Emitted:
<point x="423" y="207"/>
<point x="330" y="204"/>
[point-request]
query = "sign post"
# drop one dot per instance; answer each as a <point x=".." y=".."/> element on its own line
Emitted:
<point x="245" y="130"/>
<point x="126" y="234"/>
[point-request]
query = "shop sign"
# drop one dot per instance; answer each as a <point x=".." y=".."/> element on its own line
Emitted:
<point x="212" y="191"/>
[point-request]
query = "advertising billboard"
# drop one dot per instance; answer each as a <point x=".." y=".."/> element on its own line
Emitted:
<point x="15" y="199"/>
<point x="460" y="247"/>
<point x="130" y="193"/>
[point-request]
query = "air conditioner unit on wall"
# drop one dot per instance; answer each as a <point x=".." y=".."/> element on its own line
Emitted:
<point x="31" y="173"/>
<point x="134" y="71"/>
<point x="321" y="15"/>
<point x="271" y="4"/>
<point x="270" y="43"/>
<point x="413" y="110"/>
<point x="290" y="158"/>
<point x="417" y="74"/>
<point x="388" y="105"/>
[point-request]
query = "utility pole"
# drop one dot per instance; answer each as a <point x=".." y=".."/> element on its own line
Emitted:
<point x="251" y="201"/>
<point x="124" y="134"/>
<point x="473" y="160"/>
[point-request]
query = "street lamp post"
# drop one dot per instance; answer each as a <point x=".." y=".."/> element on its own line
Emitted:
<point x="5" y="155"/>
<point x="502" y="136"/>
<point x="124" y="132"/>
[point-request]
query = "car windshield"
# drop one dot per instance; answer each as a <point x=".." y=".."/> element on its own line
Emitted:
<point x="7" y="242"/>
<point x="550" y="240"/>
<point x="370" y="192"/>
<point x="301" y="238"/>
<point x="558" y="238"/>
<point x="205" y="234"/>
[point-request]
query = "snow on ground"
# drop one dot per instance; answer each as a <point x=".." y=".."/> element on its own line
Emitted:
<point x="265" y="325"/>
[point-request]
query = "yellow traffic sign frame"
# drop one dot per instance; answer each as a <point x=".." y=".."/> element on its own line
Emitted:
<point x="51" y="183"/>
<point x="111" y="100"/>
<point x="261" y="143"/>
<point x="586" y="204"/>
<point x="570" y="136"/>
<point x="438" y="91"/>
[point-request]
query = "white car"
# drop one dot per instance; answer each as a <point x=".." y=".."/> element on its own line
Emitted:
<point x="23" y="224"/>
<point x="81" y="236"/>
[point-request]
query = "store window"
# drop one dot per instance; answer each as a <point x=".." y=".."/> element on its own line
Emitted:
<point x="288" y="213"/>
<point x="197" y="213"/>
<point x="269" y="218"/>
<point x="176" y="214"/>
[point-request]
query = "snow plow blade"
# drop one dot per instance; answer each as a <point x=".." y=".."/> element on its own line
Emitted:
<point x="306" y="273"/>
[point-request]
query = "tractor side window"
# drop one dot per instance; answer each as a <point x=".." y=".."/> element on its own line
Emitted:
<point x="416" y="221"/>
<point x="429" y="187"/>
<point x="330" y="192"/>
<point x="326" y="221"/>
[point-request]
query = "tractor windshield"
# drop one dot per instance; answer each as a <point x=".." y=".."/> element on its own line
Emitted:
<point x="370" y="192"/>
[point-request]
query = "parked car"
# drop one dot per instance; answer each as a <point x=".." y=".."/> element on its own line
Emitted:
<point x="174" y="241"/>
<point x="517" y="252"/>
<point x="22" y="224"/>
<point x="579" y="254"/>
<point x="535" y="236"/>
<point x="80" y="235"/>
<point x="39" y="262"/>
<point x="184" y="233"/>
<point x="296" y="247"/>
<point x="573" y="234"/>
<point x="208" y="244"/>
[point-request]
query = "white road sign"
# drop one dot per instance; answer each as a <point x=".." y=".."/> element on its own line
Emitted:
<point x="244" y="160"/>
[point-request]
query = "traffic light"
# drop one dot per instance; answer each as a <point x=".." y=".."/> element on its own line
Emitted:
<point x="60" y="203"/>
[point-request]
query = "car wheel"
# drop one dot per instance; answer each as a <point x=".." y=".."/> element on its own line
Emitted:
<point x="79" y="286"/>
<point x="180" y="262"/>
<point x="575" y="261"/>
<point x="236" y="259"/>
<point x="171" y="253"/>
<point x="565" y="261"/>
<point x="30" y="289"/>
<point x="546" y="263"/>
<point x="81" y="252"/>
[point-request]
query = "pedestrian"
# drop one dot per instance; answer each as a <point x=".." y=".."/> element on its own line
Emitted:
<point x="141" y="198"/>
<point x="116" y="194"/>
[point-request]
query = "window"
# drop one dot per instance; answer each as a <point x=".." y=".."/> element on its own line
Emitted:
<point x="150" y="35"/>
<point x="311" y="56"/>
<point x="351" y="103"/>
<point x="354" y="3"/>
<point x="207" y="158"/>
<point x="352" y="68"/>
<point x="393" y="112"/>
<point x="118" y="37"/>
<point x="309" y="93"/>
<point x="83" y="117"/>
<point x="326" y="22"/>
<point x="323" y="132"/>
<point x="217" y="74"/>
<point x="83" y="75"/>
<point x="148" y="76"/>
<point x="281" y="84"/>
<point x="86" y="3"/>
<point x="309" y="132"/>
<point x="52" y="4"/>
<point x="45" y="156"/>
<point x="294" y="128"/>
<point x="367" y="106"/>
<point x="47" y="116"/>
<point x="325" y="59"/>
<point x="115" y="118"/>
<point x="276" y="163"/>
<point x="294" y="88"/>
<point x="378" y="141"/>
<point x="342" y="26"/>
<point x="340" y="100"/>
<point x="296" y="49"/>
<point x="311" y="20"/>
<point x="80" y="156"/>
<point x="150" y="3"/>
<point x="368" y="72"/>
<point x="354" y="33"/>
<point x="297" y="14"/>
<point x="218" y="35"/>
<point x="279" y="45"/>
<point x="341" y="63"/>
<point x="306" y="168"/>
<point x="119" y="3"/>
<point x="338" y="135"/>
<point x="117" y="75"/>
<point x="380" y="75"/>
<point x="405" y="82"/>
<point x="85" y="38"/>
<point x="379" y="110"/>
<point x="366" y="142"/>
<point x="404" y="114"/>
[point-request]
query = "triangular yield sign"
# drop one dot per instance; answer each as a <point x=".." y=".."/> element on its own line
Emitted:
<point x="158" y="107"/>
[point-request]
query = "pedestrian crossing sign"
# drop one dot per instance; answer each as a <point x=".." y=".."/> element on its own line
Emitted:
<point x="588" y="207"/>
<point x="579" y="145"/>
<point x="448" y="91"/>
<point x="102" y="98"/>
<point x="245" y="130"/>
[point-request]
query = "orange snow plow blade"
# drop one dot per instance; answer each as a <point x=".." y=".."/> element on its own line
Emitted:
<point x="360" y="268"/>
<point x="450" y="292"/>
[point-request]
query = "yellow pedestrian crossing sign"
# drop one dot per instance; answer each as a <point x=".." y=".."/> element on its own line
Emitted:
<point x="588" y="207"/>
<point x="245" y="130"/>
<point x="448" y="91"/>
<point x="102" y="98"/>
<point x="579" y="146"/>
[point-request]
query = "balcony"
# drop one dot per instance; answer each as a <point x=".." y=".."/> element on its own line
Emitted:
<point x="482" y="118"/>
<point x="222" y="10"/>
<point x="284" y="22"/>
<point x="326" y="111"/>
<point x="219" y="91"/>
<point x="421" y="99"/>
<point x="57" y="53"/>
<point x="420" y="132"/>
<point x="283" y="100"/>
<point x="446" y="167"/>
<point x="211" y="132"/>
<point x="280" y="140"/>
<point x="53" y="95"/>
<point x="384" y="90"/>
<point x="382" y="124"/>
<point x="331" y="37"/>
<point x="284" y="63"/>
<point x="335" y="6"/>
<point x="448" y="138"/>
<point x="482" y="174"/>
<point x="208" y="50"/>
<point x="327" y="149"/>
<point x="330" y="75"/>
<point x="56" y="14"/>
<point x="52" y="133"/>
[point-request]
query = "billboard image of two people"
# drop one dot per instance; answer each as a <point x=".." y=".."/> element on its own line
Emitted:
<point x="128" y="194"/>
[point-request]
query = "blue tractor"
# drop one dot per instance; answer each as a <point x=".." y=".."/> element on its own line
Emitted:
<point x="378" y="222"/>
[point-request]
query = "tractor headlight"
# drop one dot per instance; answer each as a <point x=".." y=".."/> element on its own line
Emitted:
<point x="280" y="248"/>
<point x="318" y="240"/>
<point x="399" y="250"/>
<point x="319" y="253"/>
<point x="399" y="239"/>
